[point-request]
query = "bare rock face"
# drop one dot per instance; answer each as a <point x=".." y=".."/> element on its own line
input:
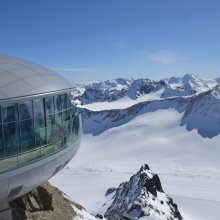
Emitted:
<point x="142" y="197"/>
<point x="46" y="202"/>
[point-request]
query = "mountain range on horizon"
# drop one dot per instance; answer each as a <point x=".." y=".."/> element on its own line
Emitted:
<point x="187" y="94"/>
<point x="173" y="86"/>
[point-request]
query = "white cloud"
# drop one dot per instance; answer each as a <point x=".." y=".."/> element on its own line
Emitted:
<point x="162" y="57"/>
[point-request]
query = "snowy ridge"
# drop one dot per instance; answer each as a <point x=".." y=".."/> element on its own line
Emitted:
<point x="96" y="122"/>
<point x="112" y="90"/>
<point x="185" y="86"/>
<point x="203" y="114"/>
<point x="142" y="197"/>
<point x="82" y="214"/>
<point x="201" y="105"/>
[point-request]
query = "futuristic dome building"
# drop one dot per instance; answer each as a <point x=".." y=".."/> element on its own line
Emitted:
<point x="40" y="130"/>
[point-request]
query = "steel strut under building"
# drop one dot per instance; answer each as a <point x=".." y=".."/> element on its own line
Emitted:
<point x="40" y="130"/>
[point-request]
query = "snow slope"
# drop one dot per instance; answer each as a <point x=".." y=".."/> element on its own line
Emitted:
<point x="188" y="164"/>
<point x="203" y="113"/>
<point x="124" y="102"/>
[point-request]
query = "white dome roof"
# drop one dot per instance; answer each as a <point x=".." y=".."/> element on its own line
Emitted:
<point x="20" y="79"/>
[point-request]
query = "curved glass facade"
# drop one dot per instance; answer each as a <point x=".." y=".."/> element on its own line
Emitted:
<point x="34" y="129"/>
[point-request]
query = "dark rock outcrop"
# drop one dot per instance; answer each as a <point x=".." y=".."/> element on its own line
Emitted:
<point x="46" y="202"/>
<point x="141" y="196"/>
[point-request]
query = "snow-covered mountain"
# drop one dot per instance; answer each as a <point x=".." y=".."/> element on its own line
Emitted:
<point x="177" y="134"/>
<point x="96" y="122"/>
<point x="200" y="104"/>
<point x="203" y="113"/>
<point x="142" y="197"/>
<point x="109" y="90"/>
<point x="112" y="90"/>
<point x="185" y="86"/>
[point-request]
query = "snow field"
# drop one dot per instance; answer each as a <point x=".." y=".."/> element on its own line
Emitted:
<point x="188" y="164"/>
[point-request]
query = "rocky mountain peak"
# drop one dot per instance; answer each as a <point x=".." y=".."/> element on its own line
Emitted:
<point x="142" y="197"/>
<point x="187" y="85"/>
<point x="112" y="90"/>
<point x="189" y="76"/>
<point x="194" y="81"/>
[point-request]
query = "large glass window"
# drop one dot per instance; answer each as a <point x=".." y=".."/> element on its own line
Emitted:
<point x="10" y="129"/>
<point x="75" y="124"/>
<point x="36" y="128"/>
<point x="49" y="105"/>
<point x="39" y="119"/>
<point x="1" y="142"/>
<point x="26" y="126"/>
<point x="40" y="136"/>
<point x="25" y="110"/>
<point x="27" y="135"/>
<point x="65" y="101"/>
<point x="58" y="103"/>
<point x="64" y="116"/>
<point x="9" y="113"/>
<point x="0" y="114"/>
<point x="39" y="122"/>
<point x="50" y="120"/>
<point x="11" y="138"/>
<point x="69" y="104"/>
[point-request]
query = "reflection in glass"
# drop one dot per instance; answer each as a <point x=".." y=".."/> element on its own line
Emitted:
<point x="50" y="121"/>
<point x="25" y="110"/>
<point x="11" y="138"/>
<point x="58" y="103"/>
<point x="27" y="135"/>
<point x="64" y="116"/>
<point x="0" y="115"/>
<point x="9" y="113"/>
<point x="38" y="108"/>
<point x="69" y="104"/>
<point x="1" y="142"/>
<point x="58" y="118"/>
<point x="40" y="136"/>
<point x="39" y="120"/>
<point x="65" y="100"/>
<point x="75" y="124"/>
<point x="49" y="105"/>
<point x="39" y="132"/>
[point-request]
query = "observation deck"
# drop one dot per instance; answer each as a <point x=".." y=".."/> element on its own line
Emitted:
<point x="40" y="129"/>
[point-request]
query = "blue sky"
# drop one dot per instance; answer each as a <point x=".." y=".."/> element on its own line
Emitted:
<point x="104" y="39"/>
